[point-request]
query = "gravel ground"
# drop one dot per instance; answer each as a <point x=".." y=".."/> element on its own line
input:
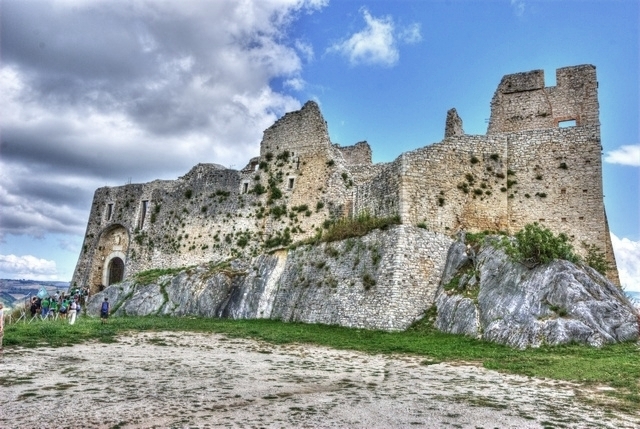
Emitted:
<point x="167" y="379"/>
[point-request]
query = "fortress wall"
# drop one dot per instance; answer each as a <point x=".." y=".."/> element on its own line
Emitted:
<point x="559" y="185"/>
<point x="380" y="196"/>
<point x="385" y="280"/>
<point x="303" y="133"/>
<point x="359" y="153"/>
<point x="522" y="102"/>
<point x="185" y="222"/>
<point x="454" y="184"/>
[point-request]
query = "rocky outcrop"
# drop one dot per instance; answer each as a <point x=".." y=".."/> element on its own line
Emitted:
<point x="490" y="297"/>
<point x="384" y="280"/>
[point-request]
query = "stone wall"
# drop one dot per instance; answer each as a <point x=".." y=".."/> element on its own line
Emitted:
<point x="384" y="280"/>
<point x="522" y="102"/>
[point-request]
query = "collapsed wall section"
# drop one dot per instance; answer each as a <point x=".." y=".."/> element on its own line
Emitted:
<point x="522" y="102"/>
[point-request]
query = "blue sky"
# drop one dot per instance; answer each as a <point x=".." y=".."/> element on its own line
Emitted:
<point x="98" y="93"/>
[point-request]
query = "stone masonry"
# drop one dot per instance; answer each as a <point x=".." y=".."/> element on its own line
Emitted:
<point x="539" y="162"/>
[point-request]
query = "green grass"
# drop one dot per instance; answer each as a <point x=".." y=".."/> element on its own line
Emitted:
<point x="617" y="366"/>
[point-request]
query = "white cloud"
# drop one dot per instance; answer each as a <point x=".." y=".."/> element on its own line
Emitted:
<point x="624" y="155"/>
<point x="628" y="260"/>
<point x="410" y="34"/>
<point x="27" y="267"/>
<point x="377" y="43"/>
<point x="306" y="50"/>
<point x="518" y="7"/>
<point x="140" y="91"/>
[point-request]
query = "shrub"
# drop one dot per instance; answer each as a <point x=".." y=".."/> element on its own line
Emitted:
<point x="258" y="189"/>
<point x="368" y="281"/>
<point x="330" y="163"/>
<point x="188" y="193"/>
<point x="541" y="194"/>
<point x="494" y="156"/>
<point x="284" y="156"/>
<point x="474" y="160"/>
<point x="536" y="245"/>
<point x="563" y="165"/>
<point x="539" y="177"/>
<point x="440" y="201"/>
<point x="319" y="206"/>
<point x="596" y="258"/>
<point x="278" y="211"/>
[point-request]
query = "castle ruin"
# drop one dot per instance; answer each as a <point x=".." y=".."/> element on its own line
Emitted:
<point x="540" y="161"/>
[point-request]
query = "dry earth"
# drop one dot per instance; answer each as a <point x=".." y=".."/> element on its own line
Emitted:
<point x="208" y="380"/>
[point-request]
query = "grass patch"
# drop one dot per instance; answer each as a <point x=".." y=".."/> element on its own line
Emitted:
<point x="151" y="276"/>
<point x="353" y="227"/>
<point x="617" y="366"/>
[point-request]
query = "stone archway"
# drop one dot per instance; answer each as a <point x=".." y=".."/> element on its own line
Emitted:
<point x="113" y="268"/>
<point x="115" y="271"/>
<point x="109" y="261"/>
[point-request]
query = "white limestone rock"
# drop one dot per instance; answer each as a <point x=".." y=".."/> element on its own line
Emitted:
<point x="556" y="303"/>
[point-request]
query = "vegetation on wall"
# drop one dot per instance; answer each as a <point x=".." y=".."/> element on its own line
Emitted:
<point x="535" y="245"/>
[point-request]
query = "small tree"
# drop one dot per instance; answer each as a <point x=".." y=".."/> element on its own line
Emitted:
<point x="596" y="258"/>
<point x="536" y="245"/>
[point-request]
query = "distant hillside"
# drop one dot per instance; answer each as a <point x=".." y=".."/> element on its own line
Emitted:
<point x="14" y="291"/>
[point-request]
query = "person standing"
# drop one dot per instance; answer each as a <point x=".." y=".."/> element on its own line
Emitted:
<point x="45" y="307"/>
<point x="72" y="312"/>
<point x="104" y="310"/>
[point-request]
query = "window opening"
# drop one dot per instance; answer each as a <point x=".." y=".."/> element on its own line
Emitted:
<point x="567" y="124"/>
<point x="109" y="211"/>
<point x="563" y="191"/>
<point x="143" y="213"/>
<point x="245" y="188"/>
<point x="291" y="180"/>
<point x="563" y="219"/>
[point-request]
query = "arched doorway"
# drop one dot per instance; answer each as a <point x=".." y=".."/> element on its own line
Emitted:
<point x="109" y="260"/>
<point x="116" y="271"/>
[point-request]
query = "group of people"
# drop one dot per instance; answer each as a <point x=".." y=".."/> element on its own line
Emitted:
<point x="65" y="306"/>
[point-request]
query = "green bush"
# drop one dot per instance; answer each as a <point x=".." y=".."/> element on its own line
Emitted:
<point x="536" y="245"/>
<point x="596" y="258"/>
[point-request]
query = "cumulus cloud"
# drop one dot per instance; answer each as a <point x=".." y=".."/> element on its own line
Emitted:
<point x="27" y="267"/>
<point x="101" y="93"/>
<point x="377" y="43"/>
<point x="628" y="260"/>
<point x="624" y="155"/>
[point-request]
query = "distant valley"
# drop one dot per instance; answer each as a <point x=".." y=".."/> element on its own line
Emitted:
<point x="13" y="292"/>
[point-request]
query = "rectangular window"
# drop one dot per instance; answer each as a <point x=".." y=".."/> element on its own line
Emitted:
<point x="567" y="124"/>
<point x="143" y="212"/>
<point x="245" y="188"/>
<point x="563" y="191"/>
<point x="109" y="211"/>
<point x="563" y="219"/>
<point x="291" y="180"/>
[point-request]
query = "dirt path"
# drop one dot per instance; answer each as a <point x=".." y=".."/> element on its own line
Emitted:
<point x="208" y="380"/>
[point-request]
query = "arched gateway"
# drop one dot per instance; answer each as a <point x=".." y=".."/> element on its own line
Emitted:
<point x="109" y="258"/>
